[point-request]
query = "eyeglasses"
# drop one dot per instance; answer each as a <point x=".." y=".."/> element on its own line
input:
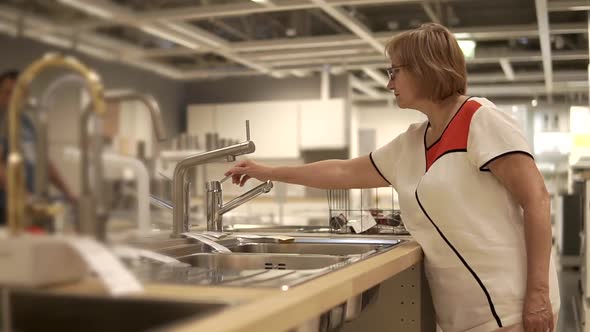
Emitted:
<point x="392" y="71"/>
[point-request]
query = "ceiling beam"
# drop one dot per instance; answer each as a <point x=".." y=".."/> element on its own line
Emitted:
<point x="568" y="5"/>
<point x="379" y="78"/>
<point x="202" y="12"/>
<point x="507" y="69"/>
<point x="544" y="38"/>
<point x="430" y="12"/>
<point x="506" y="90"/>
<point x="474" y="33"/>
<point x="216" y="44"/>
<point x="363" y="87"/>
<point x="351" y="23"/>
<point x="498" y="77"/>
<point x="358" y="63"/>
<point x="182" y="33"/>
<point x="483" y="58"/>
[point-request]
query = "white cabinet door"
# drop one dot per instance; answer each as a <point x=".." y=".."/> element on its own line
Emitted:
<point x="200" y="121"/>
<point x="273" y="126"/>
<point x="323" y="124"/>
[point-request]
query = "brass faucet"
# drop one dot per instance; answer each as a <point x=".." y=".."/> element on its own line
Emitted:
<point x="15" y="172"/>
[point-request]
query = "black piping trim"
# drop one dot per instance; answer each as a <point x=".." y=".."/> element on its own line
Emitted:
<point x="378" y="171"/>
<point x="425" y="149"/>
<point x="447" y="152"/>
<point x="487" y="294"/>
<point x="448" y="124"/>
<point x="484" y="167"/>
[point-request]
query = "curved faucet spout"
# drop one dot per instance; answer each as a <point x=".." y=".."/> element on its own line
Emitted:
<point x="262" y="188"/>
<point x="148" y="101"/>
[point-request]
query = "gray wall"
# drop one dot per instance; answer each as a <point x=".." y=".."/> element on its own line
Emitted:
<point x="174" y="96"/>
<point x="17" y="53"/>
<point x="263" y="88"/>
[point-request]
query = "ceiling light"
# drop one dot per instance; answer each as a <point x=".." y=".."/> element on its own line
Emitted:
<point x="393" y="25"/>
<point x="88" y="8"/>
<point x="299" y="73"/>
<point x="468" y="48"/>
<point x="534" y="102"/>
<point x="291" y="32"/>
<point x="579" y="8"/>
<point x="462" y="35"/>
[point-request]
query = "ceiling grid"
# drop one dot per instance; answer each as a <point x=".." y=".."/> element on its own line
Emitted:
<point x="522" y="46"/>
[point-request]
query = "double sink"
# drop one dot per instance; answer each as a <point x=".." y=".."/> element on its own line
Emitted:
<point x="263" y="262"/>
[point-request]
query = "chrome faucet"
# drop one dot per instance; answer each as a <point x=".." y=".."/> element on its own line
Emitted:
<point x="180" y="214"/>
<point x="215" y="207"/>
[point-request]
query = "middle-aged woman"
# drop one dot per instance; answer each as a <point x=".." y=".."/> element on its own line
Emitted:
<point x="469" y="190"/>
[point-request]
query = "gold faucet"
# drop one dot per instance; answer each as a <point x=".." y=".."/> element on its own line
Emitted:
<point x="15" y="173"/>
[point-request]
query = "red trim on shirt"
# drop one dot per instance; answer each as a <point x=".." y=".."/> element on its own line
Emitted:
<point x="456" y="134"/>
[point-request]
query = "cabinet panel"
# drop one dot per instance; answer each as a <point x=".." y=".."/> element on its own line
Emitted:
<point x="273" y="126"/>
<point x="323" y="124"/>
<point x="200" y="120"/>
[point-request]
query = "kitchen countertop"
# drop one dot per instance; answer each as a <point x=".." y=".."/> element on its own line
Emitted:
<point x="273" y="309"/>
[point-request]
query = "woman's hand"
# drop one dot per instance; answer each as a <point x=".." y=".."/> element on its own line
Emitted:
<point x="537" y="314"/>
<point x="246" y="169"/>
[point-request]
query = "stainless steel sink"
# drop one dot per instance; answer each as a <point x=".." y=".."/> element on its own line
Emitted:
<point x="247" y="261"/>
<point x="36" y="311"/>
<point x="276" y="229"/>
<point x="300" y="245"/>
<point x="306" y="248"/>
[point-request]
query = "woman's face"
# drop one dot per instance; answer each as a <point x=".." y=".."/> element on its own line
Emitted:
<point x="402" y="84"/>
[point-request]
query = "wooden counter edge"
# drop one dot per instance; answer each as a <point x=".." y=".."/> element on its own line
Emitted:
<point x="173" y="292"/>
<point x="278" y="312"/>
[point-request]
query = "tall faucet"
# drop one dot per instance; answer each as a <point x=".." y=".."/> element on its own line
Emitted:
<point x="15" y="172"/>
<point x="180" y="213"/>
<point x="96" y="213"/>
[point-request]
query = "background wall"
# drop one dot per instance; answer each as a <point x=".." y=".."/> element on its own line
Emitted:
<point x="260" y="88"/>
<point x="17" y="53"/>
<point x="63" y="124"/>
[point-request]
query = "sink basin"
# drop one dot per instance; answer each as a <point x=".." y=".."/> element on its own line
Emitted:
<point x="301" y="245"/>
<point x="246" y="228"/>
<point x="35" y="311"/>
<point x="247" y="261"/>
<point x="306" y="248"/>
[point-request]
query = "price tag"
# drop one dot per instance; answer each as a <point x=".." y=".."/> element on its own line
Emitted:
<point x="105" y="264"/>
<point x="135" y="253"/>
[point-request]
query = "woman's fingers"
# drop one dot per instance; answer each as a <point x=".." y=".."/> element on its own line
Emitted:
<point x="244" y="179"/>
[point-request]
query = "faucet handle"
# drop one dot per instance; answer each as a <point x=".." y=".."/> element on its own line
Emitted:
<point x="247" y="130"/>
<point x="225" y="178"/>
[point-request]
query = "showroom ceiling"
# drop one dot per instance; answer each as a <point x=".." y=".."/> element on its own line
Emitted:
<point x="523" y="47"/>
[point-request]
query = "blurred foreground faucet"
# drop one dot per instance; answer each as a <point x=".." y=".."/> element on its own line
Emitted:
<point x="93" y="210"/>
<point x="213" y="198"/>
<point x="15" y="174"/>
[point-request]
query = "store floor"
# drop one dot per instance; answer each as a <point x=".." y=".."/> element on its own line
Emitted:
<point x="568" y="288"/>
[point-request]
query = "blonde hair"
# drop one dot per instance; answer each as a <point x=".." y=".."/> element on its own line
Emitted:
<point x="433" y="57"/>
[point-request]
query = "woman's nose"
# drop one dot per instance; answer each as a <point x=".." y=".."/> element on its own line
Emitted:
<point x="391" y="85"/>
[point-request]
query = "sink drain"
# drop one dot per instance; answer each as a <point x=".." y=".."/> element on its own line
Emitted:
<point x="272" y="266"/>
